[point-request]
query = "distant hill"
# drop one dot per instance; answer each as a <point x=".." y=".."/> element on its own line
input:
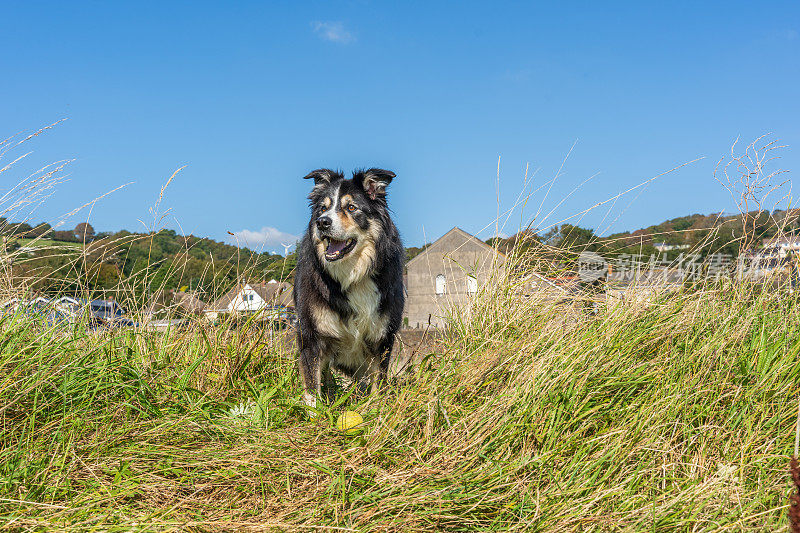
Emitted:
<point x="130" y="264"/>
<point x="719" y="228"/>
<point x="136" y="265"/>
<point x="705" y="234"/>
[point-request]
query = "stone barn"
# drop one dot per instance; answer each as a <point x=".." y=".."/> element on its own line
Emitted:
<point x="447" y="273"/>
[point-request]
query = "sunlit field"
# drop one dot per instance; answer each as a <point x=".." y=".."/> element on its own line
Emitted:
<point x="526" y="415"/>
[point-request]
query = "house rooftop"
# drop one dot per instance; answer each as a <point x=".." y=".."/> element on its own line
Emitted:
<point x="279" y="293"/>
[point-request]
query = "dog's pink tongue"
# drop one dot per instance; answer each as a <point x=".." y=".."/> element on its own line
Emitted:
<point x="336" y="246"/>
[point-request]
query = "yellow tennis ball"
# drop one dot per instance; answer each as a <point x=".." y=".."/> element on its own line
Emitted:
<point x="350" y="423"/>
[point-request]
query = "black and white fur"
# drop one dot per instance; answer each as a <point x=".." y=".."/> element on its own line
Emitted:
<point x="349" y="280"/>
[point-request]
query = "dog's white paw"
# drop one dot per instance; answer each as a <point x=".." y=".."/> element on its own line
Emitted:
<point x="310" y="400"/>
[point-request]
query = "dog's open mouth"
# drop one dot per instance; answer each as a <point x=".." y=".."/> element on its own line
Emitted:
<point x="338" y="249"/>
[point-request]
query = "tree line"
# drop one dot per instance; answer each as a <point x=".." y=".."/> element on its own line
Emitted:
<point x="135" y="267"/>
<point x="700" y="235"/>
<point x="140" y="266"/>
<point x="83" y="232"/>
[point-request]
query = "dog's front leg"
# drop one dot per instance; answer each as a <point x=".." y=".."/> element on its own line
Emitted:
<point x="329" y="383"/>
<point x="376" y="375"/>
<point x="311" y="364"/>
<point x="379" y="366"/>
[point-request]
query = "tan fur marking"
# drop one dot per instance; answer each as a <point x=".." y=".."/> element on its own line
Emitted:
<point x="326" y="202"/>
<point x="327" y="322"/>
<point x="346" y="221"/>
<point x="319" y="245"/>
<point x="344" y="215"/>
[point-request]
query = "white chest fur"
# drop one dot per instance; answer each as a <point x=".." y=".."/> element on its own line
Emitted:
<point x="365" y="323"/>
<point x="363" y="327"/>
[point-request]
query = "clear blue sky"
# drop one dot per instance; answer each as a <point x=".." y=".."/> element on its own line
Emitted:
<point x="252" y="95"/>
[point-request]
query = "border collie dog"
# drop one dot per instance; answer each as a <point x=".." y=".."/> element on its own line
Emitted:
<point x="348" y="289"/>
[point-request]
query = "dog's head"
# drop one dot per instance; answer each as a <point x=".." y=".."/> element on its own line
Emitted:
<point x="346" y="214"/>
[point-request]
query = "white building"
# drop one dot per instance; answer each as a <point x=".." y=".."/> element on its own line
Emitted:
<point x="664" y="247"/>
<point x="252" y="297"/>
<point x="781" y="245"/>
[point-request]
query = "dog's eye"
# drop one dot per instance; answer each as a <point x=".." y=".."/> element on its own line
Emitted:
<point x="351" y="207"/>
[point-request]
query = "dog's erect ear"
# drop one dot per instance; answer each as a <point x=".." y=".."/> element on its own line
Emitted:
<point x="323" y="175"/>
<point x="374" y="181"/>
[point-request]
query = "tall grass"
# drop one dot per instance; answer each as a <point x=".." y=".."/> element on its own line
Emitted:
<point x="677" y="415"/>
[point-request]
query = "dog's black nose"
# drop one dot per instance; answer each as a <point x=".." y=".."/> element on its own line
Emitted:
<point x="323" y="223"/>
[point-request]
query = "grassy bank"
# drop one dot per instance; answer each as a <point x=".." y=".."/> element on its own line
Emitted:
<point x="679" y="415"/>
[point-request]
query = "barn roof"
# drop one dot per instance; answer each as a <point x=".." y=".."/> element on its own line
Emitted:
<point x="438" y="243"/>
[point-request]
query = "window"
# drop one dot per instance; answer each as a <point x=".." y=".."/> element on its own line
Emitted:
<point x="472" y="285"/>
<point x="440" y="284"/>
